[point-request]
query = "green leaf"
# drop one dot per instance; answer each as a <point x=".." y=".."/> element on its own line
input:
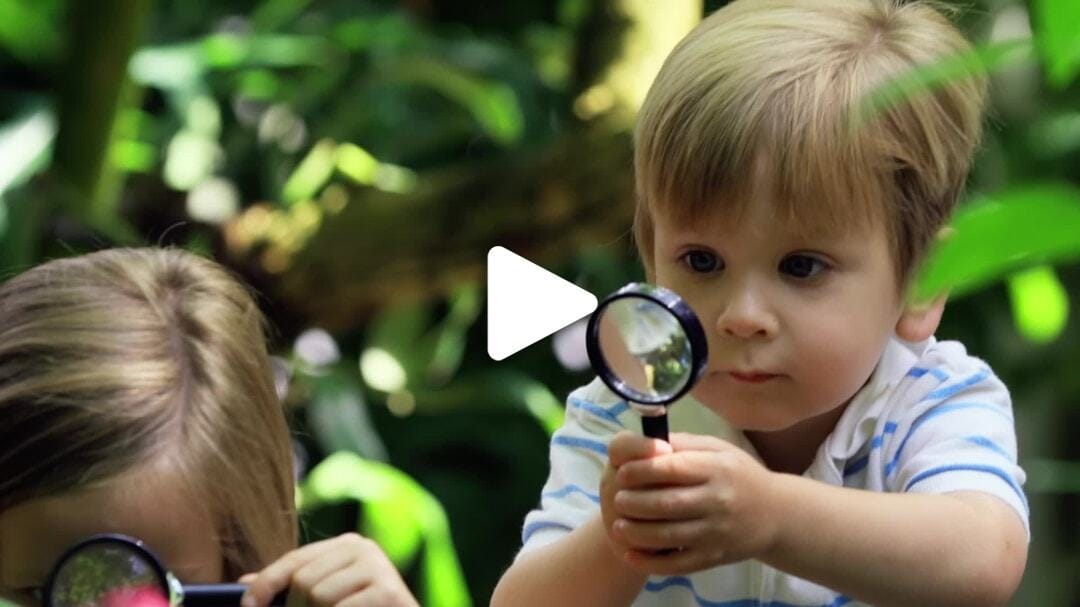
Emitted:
<point x="312" y="173"/>
<point x="1057" y="26"/>
<point x="506" y="387"/>
<point x="998" y="235"/>
<point x="1040" y="304"/>
<point x="400" y="515"/>
<point x="923" y="78"/>
<point x="30" y="31"/>
<point x="492" y="104"/>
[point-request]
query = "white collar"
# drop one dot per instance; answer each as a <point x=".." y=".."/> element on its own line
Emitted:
<point x="859" y="421"/>
<point x="855" y="427"/>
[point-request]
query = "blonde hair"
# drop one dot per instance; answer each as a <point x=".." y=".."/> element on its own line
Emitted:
<point x="767" y="94"/>
<point x="124" y="357"/>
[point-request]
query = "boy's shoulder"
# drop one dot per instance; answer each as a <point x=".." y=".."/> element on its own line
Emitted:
<point x="910" y="380"/>
<point x="940" y="369"/>
<point x="935" y="373"/>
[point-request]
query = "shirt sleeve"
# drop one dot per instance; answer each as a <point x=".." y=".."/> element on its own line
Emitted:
<point x="959" y="436"/>
<point x="578" y="455"/>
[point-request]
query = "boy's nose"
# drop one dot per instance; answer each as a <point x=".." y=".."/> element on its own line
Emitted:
<point x="747" y="317"/>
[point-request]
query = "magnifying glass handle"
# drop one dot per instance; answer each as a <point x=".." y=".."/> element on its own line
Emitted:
<point x="221" y="595"/>
<point x="655" y="427"/>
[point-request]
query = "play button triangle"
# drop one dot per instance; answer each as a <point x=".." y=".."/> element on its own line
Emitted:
<point x="526" y="303"/>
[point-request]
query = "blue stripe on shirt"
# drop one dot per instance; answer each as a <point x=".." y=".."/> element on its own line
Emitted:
<point x="532" y="528"/>
<point x="684" y="582"/>
<point x="580" y="443"/>
<point x="932" y="413"/>
<point x="875" y="443"/>
<point x="951" y="389"/>
<point x="982" y="441"/>
<point x="610" y="413"/>
<point x="998" y="472"/>
<point x="567" y="490"/>
<point x="918" y="372"/>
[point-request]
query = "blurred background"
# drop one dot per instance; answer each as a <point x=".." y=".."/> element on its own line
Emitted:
<point x="354" y="160"/>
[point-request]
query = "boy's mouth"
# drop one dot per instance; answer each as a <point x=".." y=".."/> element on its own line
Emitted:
<point x="752" y="377"/>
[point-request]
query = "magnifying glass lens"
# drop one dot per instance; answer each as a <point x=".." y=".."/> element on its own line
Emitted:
<point x="107" y="574"/>
<point x="645" y="347"/>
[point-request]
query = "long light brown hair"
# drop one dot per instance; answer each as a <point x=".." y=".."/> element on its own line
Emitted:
<point x="118" y="358"/>
<point x="771" y="93"/>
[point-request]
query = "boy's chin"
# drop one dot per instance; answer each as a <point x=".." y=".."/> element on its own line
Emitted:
<point x="746" y="419"/>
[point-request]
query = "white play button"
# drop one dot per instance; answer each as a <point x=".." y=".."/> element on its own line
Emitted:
<point x="526" y="303"/>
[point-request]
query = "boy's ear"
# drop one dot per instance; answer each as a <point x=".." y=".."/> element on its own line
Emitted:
<point x="918" y="321"/>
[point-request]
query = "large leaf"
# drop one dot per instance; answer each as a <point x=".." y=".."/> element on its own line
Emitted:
<point x="922" y="78"/>
<point x="399" y="515"/>
<point x="1057" y="24"/>
<point x="1003" y="234"/>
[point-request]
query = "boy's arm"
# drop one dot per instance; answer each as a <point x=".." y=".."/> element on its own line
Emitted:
<point x="964" y="548"/>
<point x="579" y="569"/>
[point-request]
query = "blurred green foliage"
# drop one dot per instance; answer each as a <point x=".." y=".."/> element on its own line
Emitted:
<point x="354" y="160"/>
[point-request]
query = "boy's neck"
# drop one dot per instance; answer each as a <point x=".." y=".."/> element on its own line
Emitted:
<point x="792" y="449"/>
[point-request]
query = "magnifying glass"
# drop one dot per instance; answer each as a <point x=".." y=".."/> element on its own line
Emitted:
<point x="647" y="345"/>
<point x="112" y="570"/>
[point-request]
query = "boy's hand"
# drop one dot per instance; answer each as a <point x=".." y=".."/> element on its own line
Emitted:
<point x="345" y="570"/>
<point x="624" y="447"/>
<point x="708" y="503"/>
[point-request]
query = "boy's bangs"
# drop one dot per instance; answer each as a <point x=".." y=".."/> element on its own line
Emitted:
<point x="817" y="177"/>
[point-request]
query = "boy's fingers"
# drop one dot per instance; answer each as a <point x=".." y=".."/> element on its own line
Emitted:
<point x="679" y="469"/>
<point x="668" y="504"/>
<point x="660" y="535"/>
<point x="627" y="446"/>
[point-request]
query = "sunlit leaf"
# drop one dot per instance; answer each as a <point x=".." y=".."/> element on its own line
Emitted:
<point x="25" y="145"/>
<point x="1002" y="234"/>
<point x="177" y="66"/>
<point x="1040" y="304"/>
<point x="399" y="514"/>
<point x="227" y="50"/>
<point x="449" y="338"/>
<point x="312" y="173"/>
<point x="1057" y="26"/>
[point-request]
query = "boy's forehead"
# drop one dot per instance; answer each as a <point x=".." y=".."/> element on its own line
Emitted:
<point x="761" y="217"/>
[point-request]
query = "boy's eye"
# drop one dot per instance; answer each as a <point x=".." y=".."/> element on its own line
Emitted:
<point x="702" y="261"/>
<point x="801" y="266"/>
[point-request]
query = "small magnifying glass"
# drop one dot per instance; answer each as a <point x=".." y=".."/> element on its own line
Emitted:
<point x="112" y="570"/>
<point x="647" y="345"/>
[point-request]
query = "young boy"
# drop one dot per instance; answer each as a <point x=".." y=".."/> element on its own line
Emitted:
<point x="862" y="461"/>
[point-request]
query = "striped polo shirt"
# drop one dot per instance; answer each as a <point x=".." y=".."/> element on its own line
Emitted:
<point x="931" y="419"/>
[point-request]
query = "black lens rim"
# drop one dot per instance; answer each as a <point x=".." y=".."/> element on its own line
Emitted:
<point x="691" y="325"/>
<point x="128" y="542"/>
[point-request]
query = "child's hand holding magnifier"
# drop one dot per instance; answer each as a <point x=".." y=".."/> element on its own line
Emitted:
<point x="347" y="570"/>
<point x="677" y="508"/>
